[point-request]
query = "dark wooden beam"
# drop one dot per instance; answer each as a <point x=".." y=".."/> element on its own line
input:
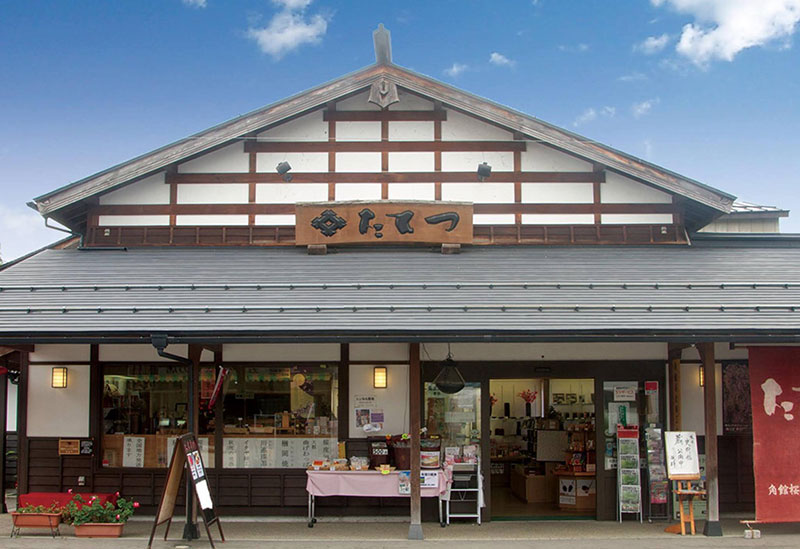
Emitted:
<point x="344" y="391"/>
<point x="383" y="146"/>
<point x="389" y="177"/>
<point x="8" y="349"/>
<point x="713" y="527"/>
<point x="23" y="455"/>
<point x="415" y="423"/>
<point x="3" y="412"/>
<point x="379" y="116"/>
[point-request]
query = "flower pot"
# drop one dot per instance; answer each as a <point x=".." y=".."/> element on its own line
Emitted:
<point x="528" y="409"/>
<point x="99" y="530"/>
<point x="36" y="520"/>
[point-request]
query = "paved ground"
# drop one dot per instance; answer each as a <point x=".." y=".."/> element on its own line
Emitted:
<point x="249" y="534"/>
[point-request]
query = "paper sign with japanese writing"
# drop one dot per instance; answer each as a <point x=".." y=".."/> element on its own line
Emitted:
<point x="681" y="449"/>
<point x="133" y="451"/>
<point x="775" y="398"/>
<point x="368" y="222"/>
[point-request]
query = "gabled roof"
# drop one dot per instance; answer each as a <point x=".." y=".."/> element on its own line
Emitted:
<point x="711" y="200"/>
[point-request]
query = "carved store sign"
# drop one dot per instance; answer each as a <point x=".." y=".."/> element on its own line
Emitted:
<point x="384" y="221"/>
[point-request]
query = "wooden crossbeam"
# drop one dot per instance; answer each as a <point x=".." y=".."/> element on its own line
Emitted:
<point x="389" y="177"/>
<point x="383" y="146"/>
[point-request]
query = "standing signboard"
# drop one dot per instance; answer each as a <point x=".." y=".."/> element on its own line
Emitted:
<point x="186" y="455"/>
<point x="775" y="397"/>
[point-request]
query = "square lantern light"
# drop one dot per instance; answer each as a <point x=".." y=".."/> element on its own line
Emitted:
<point x="379" y="377"/>
<point x="58" y="377"/>
<point x="702" y="378"/>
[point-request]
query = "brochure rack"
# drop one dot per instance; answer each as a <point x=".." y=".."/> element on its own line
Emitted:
<point x="467" y="488"/>
<point x="629" y="489"/>
<point x="658" y="485"/>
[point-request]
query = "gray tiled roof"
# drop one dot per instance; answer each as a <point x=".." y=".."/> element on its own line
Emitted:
<point x="514" y="292"/>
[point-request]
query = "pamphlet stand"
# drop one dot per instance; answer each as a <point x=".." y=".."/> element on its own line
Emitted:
<point x="629" y="489"/>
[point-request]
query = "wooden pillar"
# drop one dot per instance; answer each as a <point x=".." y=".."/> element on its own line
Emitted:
<point x="3" y="406"/>
<point x="414" y="399"/>
<point x="219" y="420"/>
<point x="22" y="424"/>
<point x="713" y="527"/>
<point x="190" y="531"/>
<point x="674" y="352"/>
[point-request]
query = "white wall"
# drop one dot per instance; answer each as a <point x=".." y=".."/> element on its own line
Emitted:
<point x="150" y="190"/>
<point x="411" y="161"/>
<point x="279" y="193"/>
<point x="361" y="162"/>
<point x="213" y="193"/>
<point x="460" y="127"/>
<point x="309" y="162"/>
<point x="211" y="220"/>
<point x="228" y="159"/>
<point x="557" y="219"/>
<point x="358" y="191"/>
<point x="412" y="191"/>
<point x="411" y="131"/>
<point x="58" y="412"/>
<point x="621" y="190"/>
<point x="467" y="161"/>
<point x="557" y="193"/>
<point x="11" y="407"/>
<point x="60" y="353"/>
<point x="692" y="401"/>
<point x="393" y="400"/>
<point x="633" y="219"/>
<point x="379" y="351"/>
<point x="541" y="158"/>
<point x="482" y="193"/>
<point x="310" y="127"/>
<point x="133" y="220"/>
<point x="358" y="131"/>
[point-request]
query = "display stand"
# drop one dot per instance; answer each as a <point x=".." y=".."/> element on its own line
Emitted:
<point x="683" y="467"/>
<point x="629" y="489"/>
<point x="658" y="485"/>
<point x="466" y="487"/>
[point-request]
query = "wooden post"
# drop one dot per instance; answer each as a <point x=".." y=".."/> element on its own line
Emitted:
<point x="190" y="531"/>
<point x="414" y="393"/>
<point x="3" y="401"/>
<point x="674" y="352"/>
<point x="22" y="425"/>
<point x="713" y="526"/>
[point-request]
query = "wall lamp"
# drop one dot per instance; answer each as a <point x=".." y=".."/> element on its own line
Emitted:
<point x="283" y="169"/>
<point x="702" y="377"/>
<point x="484" y="171"/>
<point x="379" y="377"/>
<point x="58" y="377"/>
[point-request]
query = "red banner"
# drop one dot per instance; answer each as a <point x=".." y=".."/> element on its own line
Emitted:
<point x="775" y="396"/>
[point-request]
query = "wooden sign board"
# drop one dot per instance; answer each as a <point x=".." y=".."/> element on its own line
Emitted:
<point x="186" y="455"/>
<point x="69" y="447"/>
<point x="682" y="460"/>
<point x="383" y="221"/>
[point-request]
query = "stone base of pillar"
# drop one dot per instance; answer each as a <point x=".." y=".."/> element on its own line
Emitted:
<point x="713" y="528"/>
<point x="190" y="531"/>
<point x="415" y="532"/>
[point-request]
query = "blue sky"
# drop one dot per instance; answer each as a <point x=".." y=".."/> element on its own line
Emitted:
<point x="707" y="88"/>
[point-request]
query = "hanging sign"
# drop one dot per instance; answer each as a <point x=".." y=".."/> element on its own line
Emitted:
<point x="186" y="455"/>
<point x="382" y="221"/>
<point x="775" y="398"/>
<point x="69" y="447"/>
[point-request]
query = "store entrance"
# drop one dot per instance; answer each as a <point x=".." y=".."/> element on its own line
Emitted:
<point x="542" y="449"/>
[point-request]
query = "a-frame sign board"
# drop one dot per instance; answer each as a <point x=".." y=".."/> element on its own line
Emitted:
<point x="186" y="452"/>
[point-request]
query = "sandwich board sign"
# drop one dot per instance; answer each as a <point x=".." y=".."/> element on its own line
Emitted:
<point x="186" y="455"/>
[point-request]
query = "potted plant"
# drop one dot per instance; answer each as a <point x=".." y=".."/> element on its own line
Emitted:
<point x="37" y="516"/>
<point x="529" y="397"/>
<point x="93" y="519"/>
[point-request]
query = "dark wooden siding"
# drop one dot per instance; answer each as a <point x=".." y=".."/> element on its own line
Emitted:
<point x="11" y="460"/>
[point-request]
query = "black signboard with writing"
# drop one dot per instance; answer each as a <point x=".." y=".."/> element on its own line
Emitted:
<point x="186" y="455"/>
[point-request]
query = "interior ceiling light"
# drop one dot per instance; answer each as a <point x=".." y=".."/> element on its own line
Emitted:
<point x="484" y="171"/>
<point x="283" y="169"/>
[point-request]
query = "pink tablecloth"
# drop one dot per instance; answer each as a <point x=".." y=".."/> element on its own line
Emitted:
<point x="365" y="484"/>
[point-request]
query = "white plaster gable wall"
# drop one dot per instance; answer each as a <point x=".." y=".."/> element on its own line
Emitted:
<point x="310" y="127"/>
<point x="621" y="190"/>
<point x="133" y="220"/>
<point x="411" y="131"/>
<point x="358" y="191"/>
<point x="150" y="190"/>
<point x="228" y="159"/>
<point x="361" y="162"/>
<point x="633" y="219"/>
<point x="557" y="193"/>
<point x="58" y="412"/>
<point x="395" y="410"/>
<point x="281" y="352"/>
<point x="411" y="102"/>
<point x="412" y="191"/>
<point x="211" y="220"/>
<point x="275" y="220"/>
<point x="481" y="193"/>
<point x="357" y="102"/>
<point x="358" y="131"/>
<point x="213" y="193"/>
<point x="557" y="219"/>
<point x="493" y="219"/>
<point x="280" y="193"/>
<point x="460" y="127"/>
<point x="309" y="162"/>
<point x="411" y="161"/>
<point x="467" y="161"/>
<point x="541" y="158"/>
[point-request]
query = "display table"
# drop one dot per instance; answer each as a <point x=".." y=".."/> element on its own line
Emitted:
<point x="576" y="490"/>
<point x="370" y="484"/>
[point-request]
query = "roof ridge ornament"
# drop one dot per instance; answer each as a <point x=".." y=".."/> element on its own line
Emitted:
<point x="382" y="39"/>
<point x="383" y="92"/>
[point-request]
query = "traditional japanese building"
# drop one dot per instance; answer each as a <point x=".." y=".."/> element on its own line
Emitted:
<point x="384" y="220"/>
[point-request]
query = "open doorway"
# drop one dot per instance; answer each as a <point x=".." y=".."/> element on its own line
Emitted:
<point x="542" y="449"/>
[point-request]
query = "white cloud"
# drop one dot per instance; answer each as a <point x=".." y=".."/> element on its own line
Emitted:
<point x="578" y="48"/>
<point x="648" y="149"/>
<point x="195" y="3"/>
<point x="652" y="44"/>
<point x="289" y="29"/>
<point x="723" y="28"/>
<point x="23" y="231"/>
<point x="455" y="70"/>
<point x="643" y="108"/>
<point x="633" y="77"/>
<point x="500" y="60"/>
<point x="591" y="114"/>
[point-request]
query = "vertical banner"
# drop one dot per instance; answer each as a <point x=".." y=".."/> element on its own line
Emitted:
<point x="775" y="397"/>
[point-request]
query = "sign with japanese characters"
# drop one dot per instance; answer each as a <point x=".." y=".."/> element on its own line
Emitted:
<point x="775" y="398"/>
<point x="682" y="457"/>
<point x="383" y="221"/>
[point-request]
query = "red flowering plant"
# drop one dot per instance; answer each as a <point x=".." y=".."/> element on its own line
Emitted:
<point x="492" y="400"/>
<point x="79" y="511"/>
<point x="528" y="396"/>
